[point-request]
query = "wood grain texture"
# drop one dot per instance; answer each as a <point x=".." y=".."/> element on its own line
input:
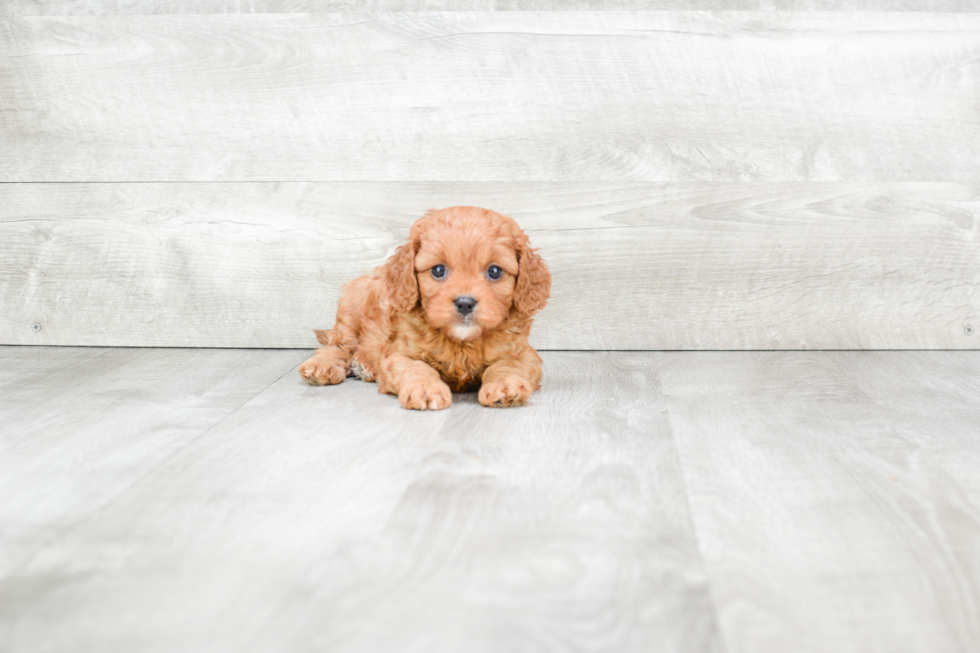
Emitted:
<point x="115" y="7"/>
<point x="636" y="266"/>
<point x="827" y="519"/>
<point x="933" y="403"/>
<point x="330" y="519"/>
<point x="491" y="96"/>
<point x="82" y="426"/>
<point x="834" y="506"/>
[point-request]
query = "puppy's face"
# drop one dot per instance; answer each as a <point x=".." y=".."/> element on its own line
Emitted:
<point x="466" y="269"/>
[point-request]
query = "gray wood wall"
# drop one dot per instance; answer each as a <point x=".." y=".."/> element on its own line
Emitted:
<point x="756" y="175"/>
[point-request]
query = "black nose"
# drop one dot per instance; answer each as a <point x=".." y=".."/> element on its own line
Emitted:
<point x="464" y="304"/>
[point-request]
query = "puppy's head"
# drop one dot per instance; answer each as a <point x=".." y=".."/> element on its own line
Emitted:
<point x="467" y="269"/>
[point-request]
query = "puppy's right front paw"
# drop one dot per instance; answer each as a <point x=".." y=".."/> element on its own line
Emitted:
<point x="318" y="371"/>
<point x="426" y="395"/>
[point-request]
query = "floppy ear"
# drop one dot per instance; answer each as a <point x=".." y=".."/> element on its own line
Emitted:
<point x="401" y="285"/>
<point x="533" y="285"/>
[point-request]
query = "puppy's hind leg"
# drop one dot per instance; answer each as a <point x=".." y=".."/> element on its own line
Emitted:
<point x="329" y="365"/>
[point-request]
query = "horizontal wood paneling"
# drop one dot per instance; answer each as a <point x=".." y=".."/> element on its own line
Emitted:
<point x="636" y="266"/>
<point x="103" y="7"/>
<point x="721" y="180"/>
<point x="491" y="96"/>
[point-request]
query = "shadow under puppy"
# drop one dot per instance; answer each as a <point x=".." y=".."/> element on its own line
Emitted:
<point x="450" y="310"/>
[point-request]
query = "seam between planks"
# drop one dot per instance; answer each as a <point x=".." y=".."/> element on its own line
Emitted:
<point x="692" y="524"/>
<point x="136" y="482"/>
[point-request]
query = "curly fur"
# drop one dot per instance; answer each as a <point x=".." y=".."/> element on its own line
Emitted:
<point x="399" y="326"/>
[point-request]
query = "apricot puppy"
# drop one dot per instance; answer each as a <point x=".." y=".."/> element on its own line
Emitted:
<point x="449" y="311"/>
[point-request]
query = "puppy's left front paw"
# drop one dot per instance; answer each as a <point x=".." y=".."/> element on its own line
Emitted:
<point x="512" y="391"/>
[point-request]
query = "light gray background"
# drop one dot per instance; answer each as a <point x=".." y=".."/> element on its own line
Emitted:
<point x="195" y="173"/>
<point x="203" y="174"/>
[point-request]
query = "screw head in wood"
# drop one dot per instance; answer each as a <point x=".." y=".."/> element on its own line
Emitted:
<point x="968" y="329"/>
<point x="36" y="327"/>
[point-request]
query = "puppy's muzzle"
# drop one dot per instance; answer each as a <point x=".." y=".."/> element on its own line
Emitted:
<point x="464" y="304"/>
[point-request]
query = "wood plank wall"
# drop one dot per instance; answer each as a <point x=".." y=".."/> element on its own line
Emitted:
<point x="775" y="175"/>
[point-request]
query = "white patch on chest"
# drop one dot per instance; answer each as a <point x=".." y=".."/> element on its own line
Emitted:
<point x="464" y="332"/>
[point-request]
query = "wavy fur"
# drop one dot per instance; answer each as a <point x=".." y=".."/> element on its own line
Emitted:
<point x="400" y="325"/>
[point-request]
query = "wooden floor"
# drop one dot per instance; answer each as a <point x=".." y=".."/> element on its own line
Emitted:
<point x="207" y="500"/>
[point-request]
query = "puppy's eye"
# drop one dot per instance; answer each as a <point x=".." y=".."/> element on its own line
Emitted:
<point x="438" y="271"/>
<point x="494" y="272"/>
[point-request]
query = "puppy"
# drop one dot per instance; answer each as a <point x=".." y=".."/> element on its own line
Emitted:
<point x="449" y="311"/>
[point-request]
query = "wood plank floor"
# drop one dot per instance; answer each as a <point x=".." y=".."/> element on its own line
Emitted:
<point x="208" y="500"/>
